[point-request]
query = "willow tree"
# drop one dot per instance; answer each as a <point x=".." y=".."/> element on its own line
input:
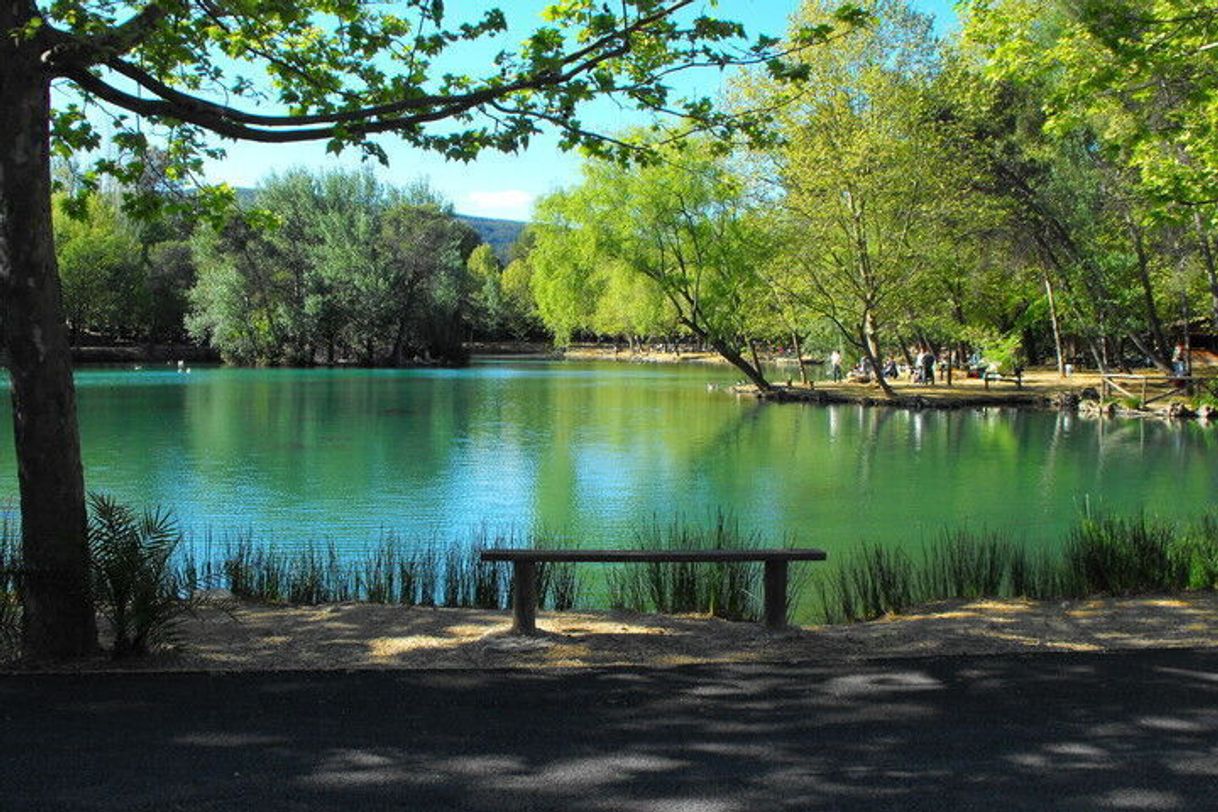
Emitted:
<point x="271" y="71"/>
<point x="676" y="233"/>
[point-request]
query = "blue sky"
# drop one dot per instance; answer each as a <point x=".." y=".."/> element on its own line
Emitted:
<point x="498" y="185"/>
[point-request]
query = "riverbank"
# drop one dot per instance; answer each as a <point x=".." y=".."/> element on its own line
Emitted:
<point x="254" y="637"/>
<point x="145" y="354"/>
<point x="1038" y="388"/>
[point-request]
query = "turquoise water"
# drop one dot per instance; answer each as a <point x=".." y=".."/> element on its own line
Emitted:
<point x="589" y="451"/>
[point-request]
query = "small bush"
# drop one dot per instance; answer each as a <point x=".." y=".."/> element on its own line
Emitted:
<point x="136" y="588"/>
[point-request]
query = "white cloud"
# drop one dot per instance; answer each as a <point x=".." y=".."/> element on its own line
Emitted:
<point x="512" y="204"/>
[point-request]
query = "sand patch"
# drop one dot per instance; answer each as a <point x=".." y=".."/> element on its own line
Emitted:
<point x="352" y="635"/>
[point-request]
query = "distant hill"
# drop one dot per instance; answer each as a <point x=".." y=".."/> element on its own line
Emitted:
<point x="498" y="234"/>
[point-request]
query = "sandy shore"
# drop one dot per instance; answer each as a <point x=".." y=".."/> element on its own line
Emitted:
<point x="356" y="636"/>
<point x="1040" y="387"/>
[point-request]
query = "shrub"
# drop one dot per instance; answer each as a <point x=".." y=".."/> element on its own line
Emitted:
<point x="135" y="587"/>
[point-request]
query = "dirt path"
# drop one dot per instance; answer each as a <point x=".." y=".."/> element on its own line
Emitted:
<point x="341" y="636"/>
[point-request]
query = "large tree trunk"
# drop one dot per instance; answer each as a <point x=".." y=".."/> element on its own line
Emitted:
<point x="871" y="348"/>
<point x="58" y="620"/>
<point x="1160" y="350"/>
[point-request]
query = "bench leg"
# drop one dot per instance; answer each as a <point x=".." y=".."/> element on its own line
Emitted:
<point x="776" y="594"/>
<point x="524" y="597"/>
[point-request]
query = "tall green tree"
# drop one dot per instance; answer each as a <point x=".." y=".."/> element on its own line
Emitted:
<point x="1139" y="78"/>
<point x="104" y="287"/>
<point x="668" y="243"/>
<point x="857" y="178"/>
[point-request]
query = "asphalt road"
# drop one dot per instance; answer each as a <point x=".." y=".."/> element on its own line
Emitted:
<point x="1122" y="731"/>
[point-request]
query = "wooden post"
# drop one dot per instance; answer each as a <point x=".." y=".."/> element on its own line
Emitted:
<point x="524" y="597"/>
<point x="775" y="594"/>
<point x="1143" y="400"/>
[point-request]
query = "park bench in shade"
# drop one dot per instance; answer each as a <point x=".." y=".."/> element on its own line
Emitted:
<point x="524" y="573"/>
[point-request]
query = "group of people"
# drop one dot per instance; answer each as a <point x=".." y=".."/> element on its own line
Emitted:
<point x="922" y="371"/>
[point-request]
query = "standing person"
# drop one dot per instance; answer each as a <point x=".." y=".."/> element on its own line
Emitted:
<point x="928" y="367"/>
<point x="1178" y="366"/>
<point x="835" y="364"/>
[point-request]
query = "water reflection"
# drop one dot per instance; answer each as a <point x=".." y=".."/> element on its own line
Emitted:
<point x="593" y="450"/>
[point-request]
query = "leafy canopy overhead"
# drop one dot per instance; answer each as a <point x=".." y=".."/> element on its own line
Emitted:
<point x="344" y="71"/>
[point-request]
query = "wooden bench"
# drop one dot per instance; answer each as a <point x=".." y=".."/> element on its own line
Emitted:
<point x="524" y="573"/>
<point x="989" y="375"/>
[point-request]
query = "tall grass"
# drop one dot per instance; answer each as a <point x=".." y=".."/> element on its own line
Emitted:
<point x="1103" y="555"/>
<point x="727" y="590"/>
<point x="390" y="572"/>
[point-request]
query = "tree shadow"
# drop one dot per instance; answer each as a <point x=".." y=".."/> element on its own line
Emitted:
<point x="1130" y="731"/>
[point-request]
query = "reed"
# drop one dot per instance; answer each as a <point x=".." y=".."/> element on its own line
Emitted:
<point x="1112" y="555"/>
<point x="1102" y="555"/>
<point x="727" y="590"/>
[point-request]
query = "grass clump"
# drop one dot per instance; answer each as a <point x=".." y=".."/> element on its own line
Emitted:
<point x="1199" y="551"/>
<point x="727" y="590"/>
<point x="392" y="572"/>
<point x="1124" y="556"/>
<point x="1103" y="555"/>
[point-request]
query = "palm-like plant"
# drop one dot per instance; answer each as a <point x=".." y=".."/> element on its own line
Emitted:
<point x="135" y="586"/>
<point x="10" y="605"/>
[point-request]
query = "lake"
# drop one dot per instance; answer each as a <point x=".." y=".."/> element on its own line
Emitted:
<point x="589" y="451"/>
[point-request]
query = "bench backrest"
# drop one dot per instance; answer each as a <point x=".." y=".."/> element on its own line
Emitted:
<point x="644" y="556"/>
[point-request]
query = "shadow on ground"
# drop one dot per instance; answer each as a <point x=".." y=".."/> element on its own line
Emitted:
<point x="353" y="635"/>
<point x="1066" y="731"/>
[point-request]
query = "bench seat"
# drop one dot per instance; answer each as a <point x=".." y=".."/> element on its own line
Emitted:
<point x="524" y="573"/>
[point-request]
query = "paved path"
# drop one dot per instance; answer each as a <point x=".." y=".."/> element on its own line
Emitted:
<point x="1125" y="731"/>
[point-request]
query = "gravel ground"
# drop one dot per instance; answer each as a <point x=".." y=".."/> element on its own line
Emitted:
<point x="235" y="637"/>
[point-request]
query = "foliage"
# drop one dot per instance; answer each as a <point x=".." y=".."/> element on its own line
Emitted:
<point x="345" y="73"/>
<point x="657" y="249"/>
<point x="135" y="585"/>
<point x="103" y="287"/>
<point x="348" y="268"/>
<point x="864" y="196"/>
